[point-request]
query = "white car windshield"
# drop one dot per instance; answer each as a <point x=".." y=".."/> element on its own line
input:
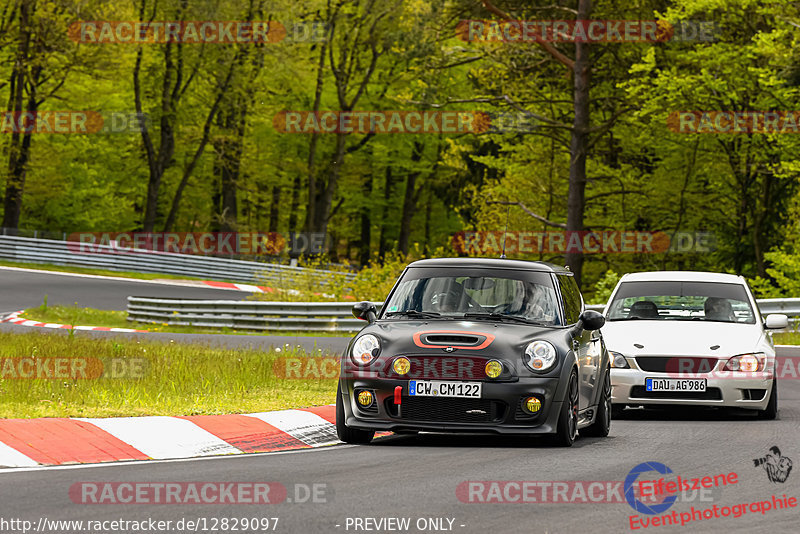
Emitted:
<point x="682" y="301"/>
<point x="528" y="296"/>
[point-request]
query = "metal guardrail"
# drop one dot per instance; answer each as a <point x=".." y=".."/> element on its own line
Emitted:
<point x="298" y="316"/>
<point x="247" y="315"/>
<point x="29" y="250"/>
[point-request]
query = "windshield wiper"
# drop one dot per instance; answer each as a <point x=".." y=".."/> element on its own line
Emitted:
<point x="502" y="317"/>
<point x="414" y="313"/>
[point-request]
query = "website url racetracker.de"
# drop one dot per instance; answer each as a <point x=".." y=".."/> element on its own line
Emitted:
<point x="117" y="526"/>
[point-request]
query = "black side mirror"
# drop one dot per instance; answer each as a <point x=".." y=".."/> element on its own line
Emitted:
<point x="365" y="311"/>
<point x="592" y="320"/>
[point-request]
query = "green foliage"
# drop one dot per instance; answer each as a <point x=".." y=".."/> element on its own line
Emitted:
<point x="604" y="287"/>
<point x="374" y="281"/>
<point x="328" y="283"/>
<point x="784" y="281"/>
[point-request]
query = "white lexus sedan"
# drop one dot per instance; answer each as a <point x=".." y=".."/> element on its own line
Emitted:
<point x="692" y="339"/>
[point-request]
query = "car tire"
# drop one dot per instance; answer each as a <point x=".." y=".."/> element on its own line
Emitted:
<point x="567" y="428"/>
<point x="346" y="434"/>
<point x="602" y="422"/>
<point x="771" y="411"/>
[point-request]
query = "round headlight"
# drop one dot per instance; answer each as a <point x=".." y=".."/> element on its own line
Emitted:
<point x="401" y="365"/>
<point x="533" y="405"/>
<point x="493" y="369"/>
<point x="540" y="356"/>
<point x="618" y="360"/>
<point x="365" y="397"/>
<point x="365" y="349"/>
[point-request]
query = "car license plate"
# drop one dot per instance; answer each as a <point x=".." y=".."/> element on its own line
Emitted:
<point x="425" y="388"/>
<point x="675" y="384"/>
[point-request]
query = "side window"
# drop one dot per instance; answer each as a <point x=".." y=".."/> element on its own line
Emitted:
<point x="573" y="302"/>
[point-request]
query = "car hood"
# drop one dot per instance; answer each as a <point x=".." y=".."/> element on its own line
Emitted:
<point x="682" y="338"/>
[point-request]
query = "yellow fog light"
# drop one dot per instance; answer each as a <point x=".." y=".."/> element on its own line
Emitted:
<point x="401" y="365"/>
<point x="365" y="398"/>
<point x="493" y="368"/>
<point x="533" y="405"/>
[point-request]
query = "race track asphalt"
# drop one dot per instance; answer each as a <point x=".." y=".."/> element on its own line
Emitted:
<point x="22" y="288"/>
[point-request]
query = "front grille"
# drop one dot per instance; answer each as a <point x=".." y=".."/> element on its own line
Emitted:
<point x="441" y="368"/>
<point x="640" y="392"/>
<point x="676" y="364"/>
<point x="448" y="409"/>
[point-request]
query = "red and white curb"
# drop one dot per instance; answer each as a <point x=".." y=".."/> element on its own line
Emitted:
<point x="58" y="441"/>
<point x="15" y="318"/>
<point x="238" y="287"/>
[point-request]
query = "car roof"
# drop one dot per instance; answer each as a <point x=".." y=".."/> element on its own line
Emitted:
<point x="491" y="263"/>
<point x="682" y="276"/>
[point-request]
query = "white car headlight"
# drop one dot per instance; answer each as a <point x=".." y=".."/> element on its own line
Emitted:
<point x="746" y="363"/>
<point x="539" y="356"/>
<point x="365" y="349"/>
<point x="618" y="360"/>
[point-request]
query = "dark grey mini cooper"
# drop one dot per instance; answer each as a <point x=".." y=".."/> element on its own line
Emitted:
<point x="477" y="345"/>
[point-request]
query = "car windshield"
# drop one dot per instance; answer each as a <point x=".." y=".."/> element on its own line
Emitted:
<point x="681" y="301"/>
<point x="478" y="294"/>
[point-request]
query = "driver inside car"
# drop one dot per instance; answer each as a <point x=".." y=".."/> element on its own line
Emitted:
<point x="526" y="303"/>
<point x="719" y="309"/>
<point x="453" y="300"/>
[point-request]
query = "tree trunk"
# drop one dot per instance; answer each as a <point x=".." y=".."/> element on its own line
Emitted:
<point x="19" y="145"/>
<point x="427" y="248"/>
<point x="366" y="224"/>
<point x="274" y="209"/>
<point x="228" y="152"/>
<point x="383" y="240"/>
<point x="311" y="217"/>
<point x="409" y="200"/>
<point x="576" y="199"/>
<point x="325" y="202"/>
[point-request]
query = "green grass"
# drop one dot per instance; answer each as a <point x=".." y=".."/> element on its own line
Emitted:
<point x="787" y="338"/>
<point x="178" y="379"/>
<point x="99" y="272"/>
<point x="76" y="316"/>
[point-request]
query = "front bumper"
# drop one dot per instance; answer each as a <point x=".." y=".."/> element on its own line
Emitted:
<point x="500" y="402"/>
<point x="730" y="391"/>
